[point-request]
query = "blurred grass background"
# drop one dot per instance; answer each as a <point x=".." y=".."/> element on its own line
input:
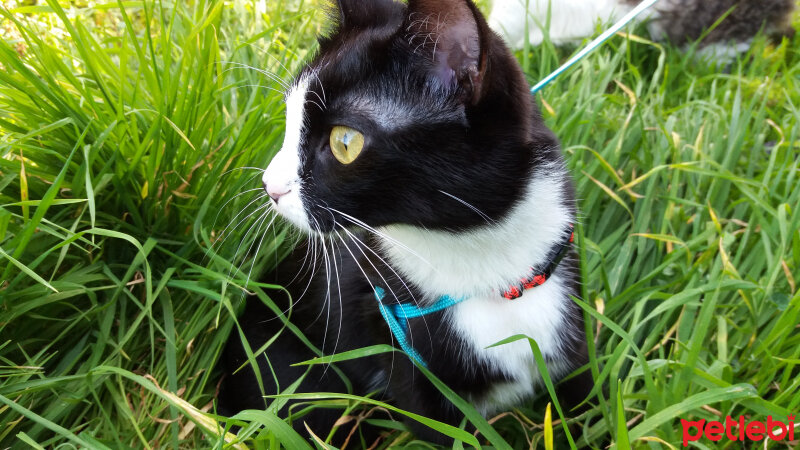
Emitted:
<point x="131" y="133"/>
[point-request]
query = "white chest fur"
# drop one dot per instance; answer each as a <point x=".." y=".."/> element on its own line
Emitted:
<point x="484" y="321"/>
<point x="479" y="265"/>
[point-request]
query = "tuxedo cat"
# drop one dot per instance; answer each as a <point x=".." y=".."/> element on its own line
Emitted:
<point x="679" y="21"/>
<point x="418" y="164"/>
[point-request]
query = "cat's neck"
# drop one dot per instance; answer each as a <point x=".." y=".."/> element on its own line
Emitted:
<point x="490" y="258"/>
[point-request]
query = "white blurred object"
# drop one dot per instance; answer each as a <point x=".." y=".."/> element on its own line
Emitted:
<point x="679" y="21"/>
<point x="570" y="20"/>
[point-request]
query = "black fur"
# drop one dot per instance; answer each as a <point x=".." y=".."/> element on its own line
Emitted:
<point x="476" y="133"/>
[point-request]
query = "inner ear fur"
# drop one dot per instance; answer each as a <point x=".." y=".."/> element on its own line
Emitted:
<point x="453" y="35"/>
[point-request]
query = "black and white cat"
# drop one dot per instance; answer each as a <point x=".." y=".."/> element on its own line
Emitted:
<point x="415" y="155"/>
<point x="679" y="21"/>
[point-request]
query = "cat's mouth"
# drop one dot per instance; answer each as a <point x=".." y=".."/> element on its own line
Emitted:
<point x="290" y="207"/>
<point x="288" y="204"/>
<point x="282" y="184"/>
<point x="326" y="221"/>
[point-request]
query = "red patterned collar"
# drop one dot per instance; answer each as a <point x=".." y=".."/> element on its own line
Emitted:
<point x="538" y="277"/>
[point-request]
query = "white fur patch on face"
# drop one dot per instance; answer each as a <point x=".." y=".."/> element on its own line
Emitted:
<point x="283" y="173"/>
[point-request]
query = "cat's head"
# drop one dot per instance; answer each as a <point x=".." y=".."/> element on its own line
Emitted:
<point x="409" y="114"/>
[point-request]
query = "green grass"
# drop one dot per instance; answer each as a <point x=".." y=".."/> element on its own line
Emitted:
<point x="121" y="137"/>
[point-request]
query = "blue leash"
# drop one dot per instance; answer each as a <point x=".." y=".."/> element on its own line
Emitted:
<point x="594" y="44"/>
<point x="396" y="316"/>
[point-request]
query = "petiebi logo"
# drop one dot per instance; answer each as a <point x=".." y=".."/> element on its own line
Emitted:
<point x="738" y="430"/>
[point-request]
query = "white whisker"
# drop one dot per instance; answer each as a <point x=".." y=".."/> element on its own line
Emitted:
<point x="283" y="66"/>
<point x="327" y="299"/>
<point x="266" y="73"/>
<point x="366" y="277"/>
<point x="213" y="224"/>
<point x="308" y="100"/>
<point x="324" y="97"/>
<point x="385" y="263"/>
<point x="267" y="206"/>
<point x="256" y="225"/>
<point x="255" y="255"/>
<point x="384" y="236"/>
<point x="339" y="291"/>
<point x="388" y="286"/>
<point x="488" y="219"/>
<point x="261" y="86"/>
<point x="241" y="168"/>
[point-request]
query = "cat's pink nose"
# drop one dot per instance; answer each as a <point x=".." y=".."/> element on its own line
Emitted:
<point x="276" y="192"/>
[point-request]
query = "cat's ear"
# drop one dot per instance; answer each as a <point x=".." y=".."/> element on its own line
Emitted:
<point x="360" y="14"/>
<point x="450" y="33"/>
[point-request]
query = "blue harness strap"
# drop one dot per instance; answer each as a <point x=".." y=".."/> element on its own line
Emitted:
<point x="396" y="316"/>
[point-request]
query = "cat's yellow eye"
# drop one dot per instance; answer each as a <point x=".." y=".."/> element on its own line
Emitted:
<point x="346" y="144"/>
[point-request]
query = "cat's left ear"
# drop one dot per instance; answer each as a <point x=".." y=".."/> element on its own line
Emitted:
<point x="452" y="34"/>
<point x="361" y="15"/>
